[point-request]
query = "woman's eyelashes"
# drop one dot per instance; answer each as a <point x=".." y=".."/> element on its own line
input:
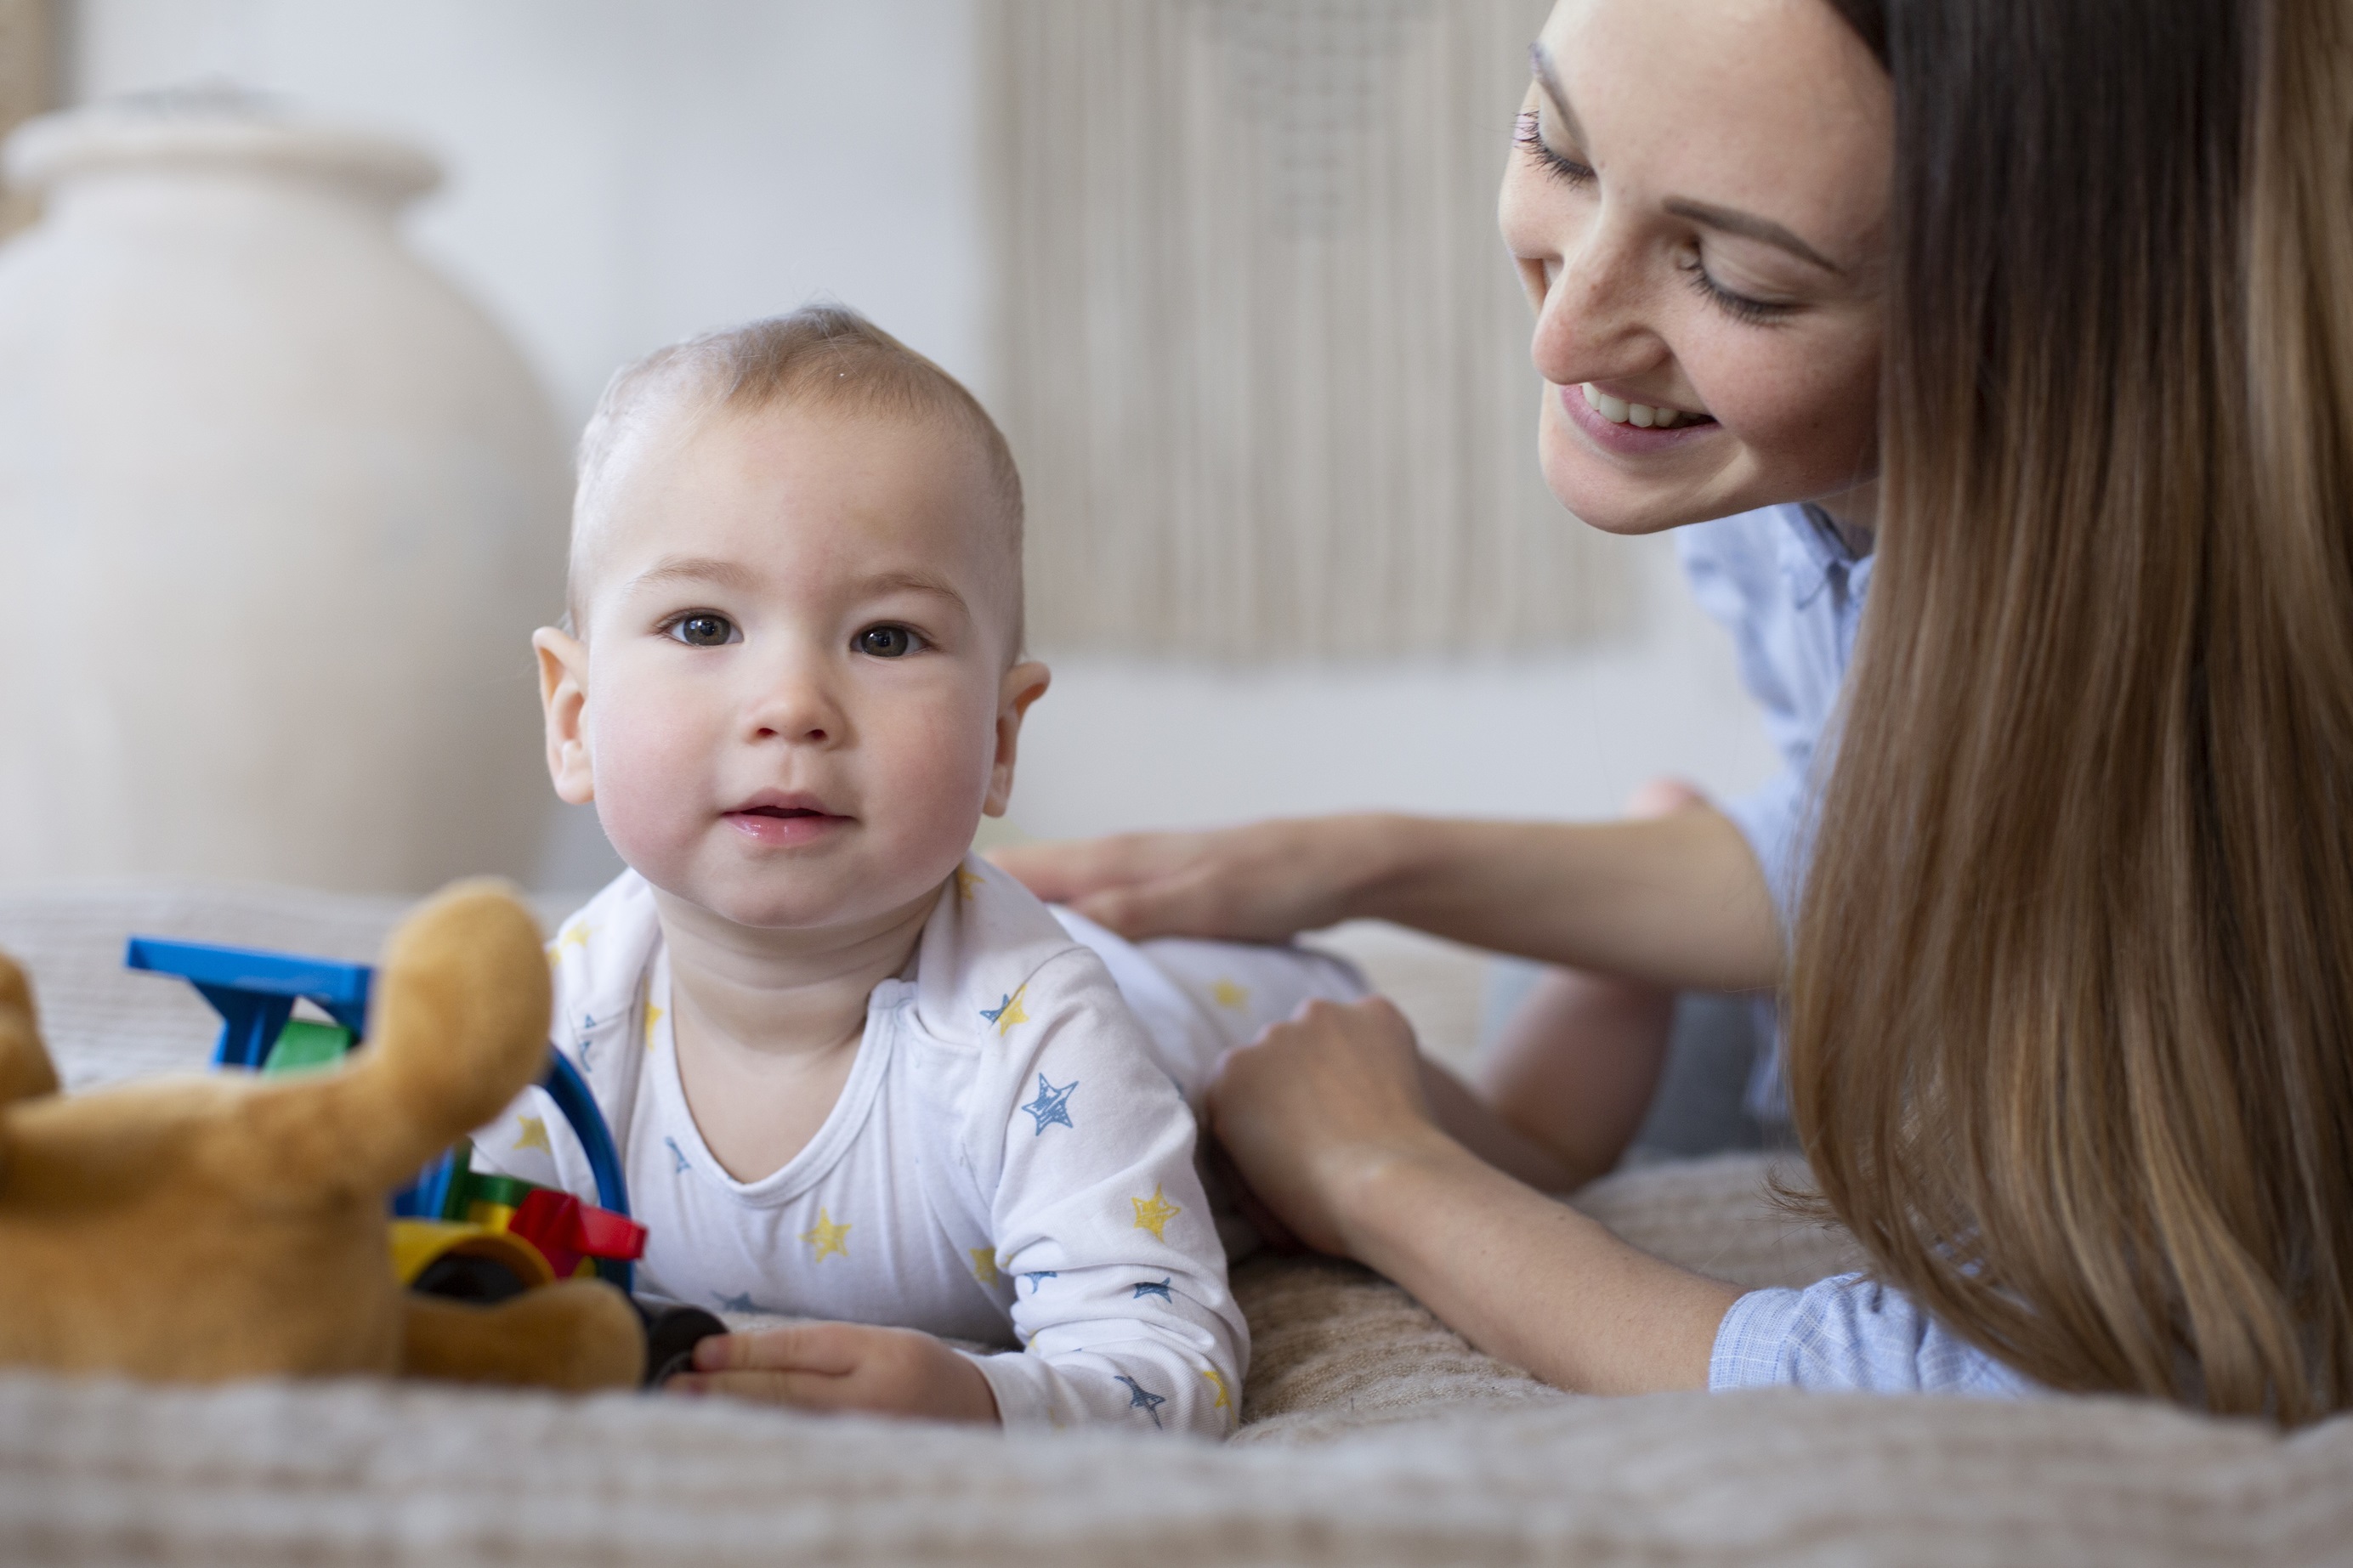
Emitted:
<point x="1530" y="136"/>
<point x="701" y="628"/>
<point x="1739" y="307"/>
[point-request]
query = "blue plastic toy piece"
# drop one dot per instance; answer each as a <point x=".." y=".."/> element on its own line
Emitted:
<point x="255" y="991"/>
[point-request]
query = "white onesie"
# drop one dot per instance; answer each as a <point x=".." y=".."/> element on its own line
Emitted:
<point x="1010" y="1158"/>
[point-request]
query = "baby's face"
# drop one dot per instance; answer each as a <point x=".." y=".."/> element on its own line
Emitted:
<point x="792" y="698"/>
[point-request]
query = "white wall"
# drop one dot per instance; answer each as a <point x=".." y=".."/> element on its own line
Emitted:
<point x="623" y="172"/>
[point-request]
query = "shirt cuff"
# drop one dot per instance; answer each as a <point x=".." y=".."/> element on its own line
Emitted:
<point x="1024" y="1388"/>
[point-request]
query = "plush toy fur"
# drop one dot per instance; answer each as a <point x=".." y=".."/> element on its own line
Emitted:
<point x="221" y="1226"/>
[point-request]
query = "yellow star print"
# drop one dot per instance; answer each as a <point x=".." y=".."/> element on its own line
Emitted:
<point x="573" y="936"/>
<point x="534" y="1134"/>
<point x="1154" y="1212"/>
<point x="1218" y="1381"/>
<point x="984" y="1265"/>
<point x="1228" y="994"/>
<point x="826" y="1238"/>
<point x="1008" y="1013"/>
<point x="653" y="1017"/>
<point x="966" y="880"/>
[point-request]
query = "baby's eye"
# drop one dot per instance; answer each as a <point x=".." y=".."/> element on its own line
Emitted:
<point x="704" y="630"/>
<point x="888" y="642"/>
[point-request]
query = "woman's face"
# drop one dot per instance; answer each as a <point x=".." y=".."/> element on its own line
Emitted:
<point x="1698" y="204"/>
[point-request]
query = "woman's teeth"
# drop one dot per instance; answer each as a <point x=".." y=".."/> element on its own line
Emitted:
<point x="1618" y="411"/>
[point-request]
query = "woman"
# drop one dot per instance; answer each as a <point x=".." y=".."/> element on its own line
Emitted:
<point x="2047" y="311"/>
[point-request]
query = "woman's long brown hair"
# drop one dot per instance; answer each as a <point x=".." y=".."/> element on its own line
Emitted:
<point x="2070" y="1018"/>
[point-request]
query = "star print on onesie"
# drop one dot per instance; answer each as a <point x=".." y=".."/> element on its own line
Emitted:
<point x="1010" y="1155"/>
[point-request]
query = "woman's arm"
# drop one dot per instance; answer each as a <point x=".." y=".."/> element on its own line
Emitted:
<point x="1676" y="902"/>
<point x="1324" y="1118"/>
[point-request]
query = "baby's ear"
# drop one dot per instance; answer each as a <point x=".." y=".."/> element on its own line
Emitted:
<point x="562" y="705"/>
<point x="1023" y="684"/>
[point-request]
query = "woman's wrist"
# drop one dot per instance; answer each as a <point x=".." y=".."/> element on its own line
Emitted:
<point x="1373" y="1193"/>
<point x="1365" y="856"/>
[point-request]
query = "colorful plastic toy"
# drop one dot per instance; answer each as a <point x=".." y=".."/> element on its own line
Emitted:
<point x="460" y="1231"/>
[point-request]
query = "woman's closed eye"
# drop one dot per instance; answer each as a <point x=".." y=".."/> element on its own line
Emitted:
<point x="1740" y="307"/>
<point x="889" y="641"/>
<point x="1530" y="136"/>
<point x="701" y="628"/>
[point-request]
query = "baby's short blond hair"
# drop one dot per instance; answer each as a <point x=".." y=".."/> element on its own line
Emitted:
<point x="825" y="356"/>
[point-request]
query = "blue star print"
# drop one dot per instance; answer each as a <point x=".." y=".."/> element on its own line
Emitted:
<point x="676" y="1154"/>
<point x="1142" y="1398"/>
<point x="1035" y="1274"/>
<point x="742" y="1303"/>
<point x="1052" y="1106"/>
<point x="1146" y="1288"/>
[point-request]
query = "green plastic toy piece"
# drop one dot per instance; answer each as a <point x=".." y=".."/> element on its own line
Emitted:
<point x="303" y="1045"/>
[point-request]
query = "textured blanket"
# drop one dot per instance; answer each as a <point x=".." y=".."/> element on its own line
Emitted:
<point x="1371" y="1434"/>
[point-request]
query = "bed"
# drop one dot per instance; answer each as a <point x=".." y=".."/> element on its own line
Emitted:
<point x="1369" y="1433"/>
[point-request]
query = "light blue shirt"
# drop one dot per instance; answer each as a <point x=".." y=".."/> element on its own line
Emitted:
<point x="1850" y="1333"/>
<point x="1790" y="592"/>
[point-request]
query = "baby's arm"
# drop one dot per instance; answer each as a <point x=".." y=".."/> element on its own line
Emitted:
<point x="1099" y="1222"/>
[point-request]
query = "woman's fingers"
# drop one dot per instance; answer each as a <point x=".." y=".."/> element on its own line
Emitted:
<point x="1260" y="883"/>
<point x="1069" y="871"/>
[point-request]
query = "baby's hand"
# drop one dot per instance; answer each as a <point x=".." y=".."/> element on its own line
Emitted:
<point x="842" y="1366"/>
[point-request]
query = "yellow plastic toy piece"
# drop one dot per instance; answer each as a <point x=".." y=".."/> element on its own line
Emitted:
<point x="416" y="1243"/>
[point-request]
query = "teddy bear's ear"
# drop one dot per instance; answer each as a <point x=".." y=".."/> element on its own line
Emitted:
<point x="460" y="1028"/>
<point x="25" y="1070"/>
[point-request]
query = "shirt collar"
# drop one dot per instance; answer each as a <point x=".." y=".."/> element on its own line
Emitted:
<point x="1812" y="550"/>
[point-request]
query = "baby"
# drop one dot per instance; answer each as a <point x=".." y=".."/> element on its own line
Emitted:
<point x="854" y="1073"/>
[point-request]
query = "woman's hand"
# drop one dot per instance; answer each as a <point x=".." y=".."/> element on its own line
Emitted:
<point x="1265" y="882"/>
<point x="1324" y="1117"/>
<point x="842" y="1366"/>
<point x="1314" y="1110"/>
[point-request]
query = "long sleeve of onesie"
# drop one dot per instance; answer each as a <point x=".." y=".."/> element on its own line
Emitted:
<point x="1098" y="1218"/>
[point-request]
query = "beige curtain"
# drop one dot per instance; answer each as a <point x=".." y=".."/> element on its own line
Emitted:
<point x="1265" y="358"/>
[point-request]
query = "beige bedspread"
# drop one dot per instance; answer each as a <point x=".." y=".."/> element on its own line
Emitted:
<point x="1372" y="1435"/>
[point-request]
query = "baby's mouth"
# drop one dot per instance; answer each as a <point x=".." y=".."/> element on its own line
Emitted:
<point x="782" y="818"/>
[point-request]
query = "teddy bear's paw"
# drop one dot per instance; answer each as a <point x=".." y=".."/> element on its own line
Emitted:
<point x="25" y="1068"/>
<point x="575" y="1334"/>
<point x="460" y="1028"/>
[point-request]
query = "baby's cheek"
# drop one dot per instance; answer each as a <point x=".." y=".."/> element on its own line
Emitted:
<point x="646" y="775"/>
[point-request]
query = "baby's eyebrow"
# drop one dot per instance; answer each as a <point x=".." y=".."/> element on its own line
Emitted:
<point x="910" y="583"/>
<point x="695" y="569"/>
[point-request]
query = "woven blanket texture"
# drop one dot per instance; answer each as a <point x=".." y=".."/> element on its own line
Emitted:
<point x="1371" y="1434"/>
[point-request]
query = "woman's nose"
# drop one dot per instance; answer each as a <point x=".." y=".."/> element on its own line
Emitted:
<point x="1592" y="312"/>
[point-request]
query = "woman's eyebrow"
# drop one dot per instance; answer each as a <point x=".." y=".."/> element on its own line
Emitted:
<point x="1729" y="220"/>
<point x="1748" y="225"/>
<point x="1541" y="64"/>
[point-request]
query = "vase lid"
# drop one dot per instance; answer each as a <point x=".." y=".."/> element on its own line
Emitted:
<point x="217" y="128"/>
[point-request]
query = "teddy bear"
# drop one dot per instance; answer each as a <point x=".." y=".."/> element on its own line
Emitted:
<point x="223" y="1226"/>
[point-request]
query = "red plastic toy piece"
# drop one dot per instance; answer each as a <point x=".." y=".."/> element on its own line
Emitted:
<point x="567" y="1230"/>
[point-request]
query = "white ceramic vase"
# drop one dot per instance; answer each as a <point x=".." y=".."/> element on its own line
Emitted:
<point x="279" y="509"/>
